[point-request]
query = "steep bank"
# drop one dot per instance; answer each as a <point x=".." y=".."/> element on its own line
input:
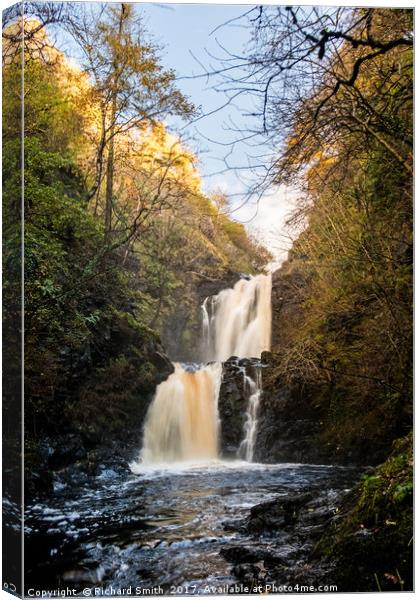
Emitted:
<point x="330" y="397"/>
<point x="99" y="405"/>
<point x="337" y="539"/>
<point x="343" y="302"/>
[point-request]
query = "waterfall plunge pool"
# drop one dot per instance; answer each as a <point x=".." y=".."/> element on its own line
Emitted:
<point x="166" y="526"/>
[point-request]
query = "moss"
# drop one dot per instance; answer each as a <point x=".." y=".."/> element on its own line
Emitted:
<point x="113" y="398"/>
<point x="140" y="328"/>
<point x="371" y="546"/>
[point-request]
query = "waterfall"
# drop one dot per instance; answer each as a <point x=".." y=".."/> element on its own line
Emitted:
<point x="206" y="326"/>
<point x="252" y="389"/>
<point x="182" y="422"/>
<point x="238" y="322"/>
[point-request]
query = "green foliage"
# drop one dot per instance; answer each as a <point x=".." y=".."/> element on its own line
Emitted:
<point x="94" y="309"/>
<point x="75" y="289"/>
<point x="50" y="116"/>
<point x="356" y="328"/>
<point x="391" y="484"/>
<point x="373" y="539"/>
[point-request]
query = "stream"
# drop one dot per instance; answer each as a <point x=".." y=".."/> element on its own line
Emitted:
<point x="179" y="520"/>
<point x="166" y="530"/>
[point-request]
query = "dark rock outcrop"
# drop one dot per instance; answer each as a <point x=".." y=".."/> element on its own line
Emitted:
<point x="233" y="402"/>
<point x="211" y="287"/>
<point x="280" y="513"/>
<point x="232" y="407"/>
<point x="288" y="424"/>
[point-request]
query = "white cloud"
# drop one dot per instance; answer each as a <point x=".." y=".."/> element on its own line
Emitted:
<point x="266" y="220"/>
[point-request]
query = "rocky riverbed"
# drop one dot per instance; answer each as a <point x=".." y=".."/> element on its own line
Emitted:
<point x="187" y="529"/>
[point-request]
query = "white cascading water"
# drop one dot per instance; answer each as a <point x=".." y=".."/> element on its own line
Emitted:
<point x="182" y="423"/>
<point x="206" y="325"/>
<point x="237" y="321"/>
<point x="253" y="390"/>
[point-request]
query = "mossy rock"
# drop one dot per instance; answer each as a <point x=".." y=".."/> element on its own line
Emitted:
<point x="370" y="549"/>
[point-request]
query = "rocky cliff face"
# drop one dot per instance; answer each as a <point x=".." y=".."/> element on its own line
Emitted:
<point x="288" y="424"/>
<point x="101" y="406"/>
<point x="182" y="333"/>
<point x="233" y="403"/>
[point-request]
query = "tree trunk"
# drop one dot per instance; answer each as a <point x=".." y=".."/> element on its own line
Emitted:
<point x="109" y="181"/>
<point x="110" y="160"/>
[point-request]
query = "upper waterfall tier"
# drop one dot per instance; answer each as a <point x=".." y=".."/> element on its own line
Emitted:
<point x="237" y="322"/>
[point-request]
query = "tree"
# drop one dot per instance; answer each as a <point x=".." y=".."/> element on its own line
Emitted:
<point x="309" y="71"/>
<point x="348" y="142"/>
<point x="24" y="26"/>
<point x="133" y="89"/>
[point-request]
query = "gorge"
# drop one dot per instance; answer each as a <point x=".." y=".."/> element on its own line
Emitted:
<point x="188" y="421"/>
<point x="199" y="508"/>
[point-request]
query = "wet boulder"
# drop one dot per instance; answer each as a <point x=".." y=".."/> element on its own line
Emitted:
<point x="233" y="402"/>
<point x="281" y="513"/>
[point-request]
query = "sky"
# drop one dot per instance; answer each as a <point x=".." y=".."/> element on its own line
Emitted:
<point x="186" y="32"/>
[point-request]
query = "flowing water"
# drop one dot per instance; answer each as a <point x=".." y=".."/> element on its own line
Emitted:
<point x="164" y="527"/>
<point x="253" y="390"/>
<point x="161" y="526"/>
<point x="237" y="322"/>
<point x="182" y="422"/>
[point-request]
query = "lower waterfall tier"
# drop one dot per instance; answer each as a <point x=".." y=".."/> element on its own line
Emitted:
<point x="182" y="421"/>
